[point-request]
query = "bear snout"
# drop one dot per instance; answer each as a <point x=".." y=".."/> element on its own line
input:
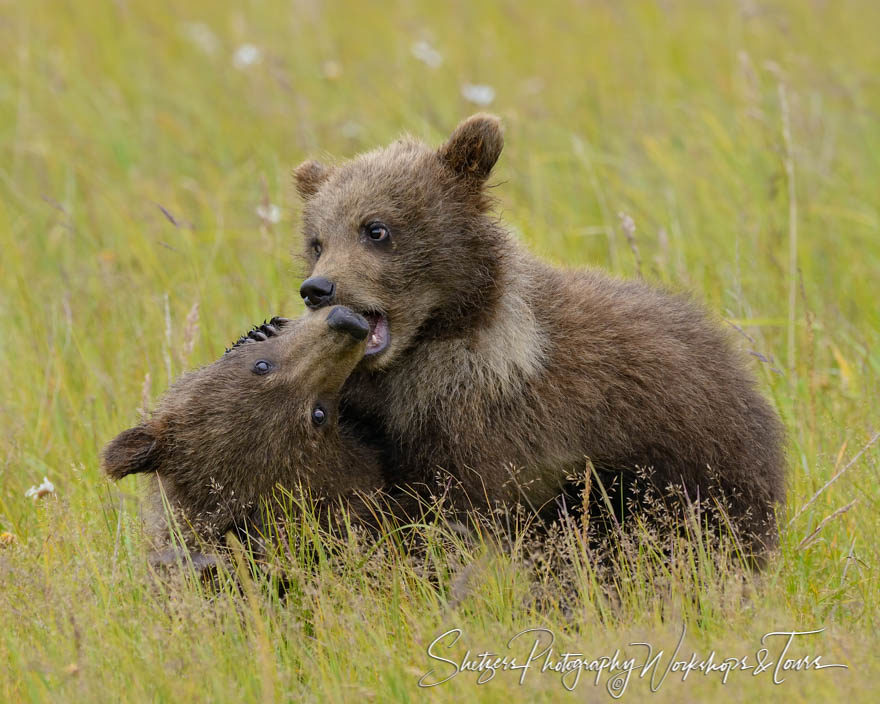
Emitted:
<point x="317" y="291"/>
<point x="346" y="320"/>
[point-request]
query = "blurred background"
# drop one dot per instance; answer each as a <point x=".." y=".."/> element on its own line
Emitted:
<point x="147" y="216"/>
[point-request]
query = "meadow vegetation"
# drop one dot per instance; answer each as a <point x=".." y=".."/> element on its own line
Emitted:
<point x="147" y="218"/>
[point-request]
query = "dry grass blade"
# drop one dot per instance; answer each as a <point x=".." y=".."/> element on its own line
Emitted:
<point x="605" y="498"/>
<point x="144" y="410"/>
<point x="628" y="225"/>
<point x="834" y="478"/>
<point x="589" y="470"/>
<point x="190" y="332"/>
<point x="825" y="521"/>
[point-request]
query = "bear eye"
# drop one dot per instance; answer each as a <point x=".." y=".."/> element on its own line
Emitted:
<point x="319" y="415"/>
<point x="262" y="367"/>
<point x="377" y="232"/>
<point x="317" y="248"/>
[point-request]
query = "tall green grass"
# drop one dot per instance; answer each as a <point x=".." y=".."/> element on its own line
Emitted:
<point x="742" y="138"/>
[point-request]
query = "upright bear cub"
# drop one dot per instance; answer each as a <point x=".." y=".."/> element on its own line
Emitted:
<point x="264" y="414"/>
<point x="507" y="373"/>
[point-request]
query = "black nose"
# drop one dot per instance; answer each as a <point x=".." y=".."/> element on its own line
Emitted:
<point x="317" y="292"/>
<point x="346" y="320"/>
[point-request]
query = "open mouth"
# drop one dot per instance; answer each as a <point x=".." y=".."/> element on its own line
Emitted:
<point x="379" y="336"/>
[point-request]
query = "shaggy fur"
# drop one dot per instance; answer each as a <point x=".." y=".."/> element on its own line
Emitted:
<point x="223" y="437"/>
<point x="507" y="373"/>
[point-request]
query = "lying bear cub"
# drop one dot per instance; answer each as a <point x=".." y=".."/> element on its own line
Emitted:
<point x="263" y="415"/>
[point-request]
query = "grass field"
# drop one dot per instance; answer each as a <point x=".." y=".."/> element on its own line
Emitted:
<point x="147" y="218"/>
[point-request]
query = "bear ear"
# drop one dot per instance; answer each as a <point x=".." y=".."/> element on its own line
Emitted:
<point x="474" y="147"/>
<point x="133" y="450"/>
<point x="309" y="176"/>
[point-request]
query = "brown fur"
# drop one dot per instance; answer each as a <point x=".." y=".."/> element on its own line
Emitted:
<point x="508" y="373"/>
<point x="223" y="437"/>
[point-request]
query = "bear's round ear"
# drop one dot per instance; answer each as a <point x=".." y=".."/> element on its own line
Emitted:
<point x="133" y="450"/>
<point x="474" y="147"/>
<point x="309" y="176"/>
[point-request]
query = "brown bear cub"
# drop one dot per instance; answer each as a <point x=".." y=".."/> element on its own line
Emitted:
<point x="506" y="373"/>
<point x="264" y="415"/>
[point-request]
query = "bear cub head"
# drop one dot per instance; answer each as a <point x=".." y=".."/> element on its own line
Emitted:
<point x="265" y="413"/>
<point x="402" y="236"/>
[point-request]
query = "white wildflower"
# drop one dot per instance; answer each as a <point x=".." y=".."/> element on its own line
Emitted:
<point x="246" y="55"/>
<point x="427" y="54"/>
<point x="480" y="94"/>
<point x="269" y="212"/>
<point x="332" y="70"/>
<point x="201" y="35"/>
<point x="38" y="492"/>
<point x="351" y="129"/>
<point x="627" y="223"/>
<point x="532" y="86"/>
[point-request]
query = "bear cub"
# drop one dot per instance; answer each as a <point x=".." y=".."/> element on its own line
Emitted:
<point x="505" y="374"/>
<point x="263" y="415"/>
